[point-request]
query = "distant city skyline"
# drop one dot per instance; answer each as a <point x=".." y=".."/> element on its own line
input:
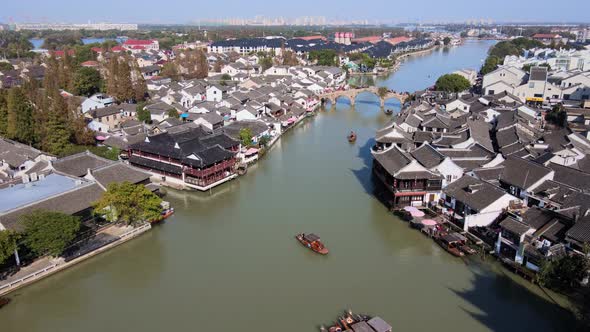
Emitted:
<point x="328" y="11"/>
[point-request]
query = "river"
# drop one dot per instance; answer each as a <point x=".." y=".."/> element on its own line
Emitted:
<point x="228" y="261"/>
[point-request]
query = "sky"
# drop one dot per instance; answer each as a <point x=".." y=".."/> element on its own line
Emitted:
<point x="383" y="11"/>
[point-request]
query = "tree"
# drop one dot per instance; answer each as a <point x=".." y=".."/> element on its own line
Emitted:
<point x="143" y="115"/>
<point x="87" y="81"/>
<point x="173" y="113"/>
<point x="6" y="66"/>
<point x="527" y="67"/>
<point x="3" y="113"/>
<point x="263" y="141"/>
<point x="225" y="77"/>
<point x="446" y="41"/>
<point x="452" y="83"/>
<point x="265" y="62"/>
<point x="490" y="64"/>
<point x="113" y="75"/>
<point x="7" y="244"/>
<point x="323" y="57"/>
<point x="56" y="130"/>
<point x="246" y="136"/>
<point x="125" y="90"/>
<point x="557" y="116"/>
<point x="563" y="273"/>
<point x="20" y="123"/>
<point x="128" y="203"/>
<point x="382" y="91"/>
<point x="49" y="232"/>
<point x="169" y="70"/>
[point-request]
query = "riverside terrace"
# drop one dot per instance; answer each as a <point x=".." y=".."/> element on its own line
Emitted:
<point x="492" y="167"/>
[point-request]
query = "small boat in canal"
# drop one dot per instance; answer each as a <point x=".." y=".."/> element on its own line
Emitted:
<point x="353" y="322"/>
<point x="388" y="112"/>
<point x="351" y="137"/>
<point x="313" y="242"/>
<point x="4" y="301"/>
<point x="167" y="211"/>
<point x="468" y="250"/>
<point x="452" y="243"/>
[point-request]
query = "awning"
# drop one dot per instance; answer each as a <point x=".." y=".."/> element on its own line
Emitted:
<point x="184" y="115"/>
<point x="417" y="213"/>
<point x="251" y="151"/>
<point x="429" y="222"/>
<point x="100" y="138"/>
<point x="410" y="208"/>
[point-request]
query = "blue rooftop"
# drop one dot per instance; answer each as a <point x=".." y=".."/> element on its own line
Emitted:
<point x="24" y="194"/>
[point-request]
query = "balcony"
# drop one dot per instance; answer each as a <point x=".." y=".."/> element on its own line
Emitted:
<point x="225" y="165"/>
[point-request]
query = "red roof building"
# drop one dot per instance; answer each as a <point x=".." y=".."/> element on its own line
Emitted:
<point x="370" y="39"/>
<point x="317" y="37"/>
<point x="117" y="49"/>
<point x="97" y="50"/>
<point x="89" y="63"/>
<point x="59" y="54"/>
<point x="397" y="40"/>
<point x="139" y="44"/>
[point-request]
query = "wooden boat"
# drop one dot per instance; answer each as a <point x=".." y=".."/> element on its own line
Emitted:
<point x="353" y="322"/>
<point x="388" y="112"/>
<point x="312" y="242"/>
<point x="468" y="250"/>
<point x="451" y="243"/>
<point x="167" y="211"/>
<point x="4" y="301"/>
<point x="242" y="169"/>
<point x="351" y="137"/>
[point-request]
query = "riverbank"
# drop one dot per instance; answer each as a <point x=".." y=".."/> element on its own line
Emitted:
<point x="44" y="267"/>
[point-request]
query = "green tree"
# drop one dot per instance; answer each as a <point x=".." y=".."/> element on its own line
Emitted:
<point x="6" y="66"/>
<point x="452" y="83"/>
<point x="225" y="77"/>
<point x="446" y="41"/>
<point x="265" y="62"/>
<point x="128" y="203"/>
<point x="323" y="57"/>
<point x="143" y="115"/>
<point x="20" y="122"/>
<point x="490" y="64"/>
<point x="173" y="113"/>
<point x="557" y="116"/>
<point x="8" y="244"/>
<point x="263" y="141"/>
<point x="246" y="136"/>
<point x="563" y="273"/>
<point x="87" y="81"/>
<point x="49" y="232"/>
<point x="3" y="113"/>
<point x="56" y="130"/>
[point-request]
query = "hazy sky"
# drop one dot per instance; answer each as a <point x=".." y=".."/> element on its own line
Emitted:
<point x="183" y="11"/>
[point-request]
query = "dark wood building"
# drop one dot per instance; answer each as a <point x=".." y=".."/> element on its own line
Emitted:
<point x="193" y="158"/>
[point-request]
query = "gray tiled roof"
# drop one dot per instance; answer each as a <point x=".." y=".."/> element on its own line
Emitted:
<point x="482" y="195"/>
<point x="514" y="226"/>
<point x="71" y="202"/>
<point x="78" y="164"/>
<point x="392" y="160"/>
<point x="119" y="172"/>
<point x="428" y="156"/>
<point x="522" y="173"/>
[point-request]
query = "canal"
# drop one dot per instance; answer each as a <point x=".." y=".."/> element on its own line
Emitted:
<point x="228" y="261"/>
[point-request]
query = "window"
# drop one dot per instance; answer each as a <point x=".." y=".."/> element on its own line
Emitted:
<point x="449" y="178"/>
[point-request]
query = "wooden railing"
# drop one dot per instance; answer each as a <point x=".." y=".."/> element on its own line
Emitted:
<point x="211" y="170"/>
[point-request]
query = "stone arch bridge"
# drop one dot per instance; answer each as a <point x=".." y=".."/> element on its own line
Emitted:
<point x="351" y="94"/>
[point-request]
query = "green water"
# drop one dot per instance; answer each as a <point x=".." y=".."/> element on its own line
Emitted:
<point x="228" y="261"/>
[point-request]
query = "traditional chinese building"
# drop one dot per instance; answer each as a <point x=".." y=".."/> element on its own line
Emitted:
<point x="193" y="158"/>
<point x="408" y="182"/>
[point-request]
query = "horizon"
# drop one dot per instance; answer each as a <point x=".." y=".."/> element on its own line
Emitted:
<point x="147" y="12"/>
